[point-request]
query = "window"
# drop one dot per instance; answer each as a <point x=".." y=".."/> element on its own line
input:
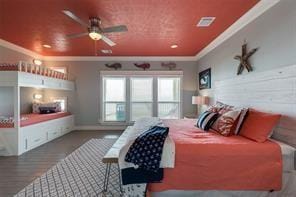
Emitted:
<point x="130" y="95"/>
<point x="114" y="99"/>
<point x="141" y="97"/>
<point x="168" y="97"/>
<point x="62" y="100"/>
<point x="59" y="69"/>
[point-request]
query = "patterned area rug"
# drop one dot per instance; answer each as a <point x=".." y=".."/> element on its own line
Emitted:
<point x="80" y="174"/>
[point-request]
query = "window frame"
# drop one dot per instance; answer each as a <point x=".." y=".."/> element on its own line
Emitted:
<point x="134" y="74"/>
<point x="103" y="98"/>
<point x="53" y="98"/>
<point x="59" y="67"/>
<point x="179" y="102"/>
<point x="140" y="102"/>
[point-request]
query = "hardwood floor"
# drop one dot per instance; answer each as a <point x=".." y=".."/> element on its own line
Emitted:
<point x="18" y="172"/>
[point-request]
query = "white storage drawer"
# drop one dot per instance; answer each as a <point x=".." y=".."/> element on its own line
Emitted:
<point x="52" y="134"/>
<point x="34" y="136"/>
<point x="38" y="134"/>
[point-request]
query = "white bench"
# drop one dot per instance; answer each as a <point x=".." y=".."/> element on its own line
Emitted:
<point x="111" y="157"/>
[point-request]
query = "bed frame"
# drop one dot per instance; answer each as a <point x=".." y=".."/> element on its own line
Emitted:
<point x="272" y="91"/>
<point x="17" y="140"/>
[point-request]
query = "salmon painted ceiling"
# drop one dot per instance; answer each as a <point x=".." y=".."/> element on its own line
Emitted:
<point x="153" y="25"/>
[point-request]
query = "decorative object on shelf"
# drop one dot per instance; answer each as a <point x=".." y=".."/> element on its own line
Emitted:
<point x="205" y="79"/>
<point x="244" y="59"/>
<point x="144" y="66"/>
<point x="115" y="66"/>
<point x="200" y="100"/>
<point x="169" y="65"/>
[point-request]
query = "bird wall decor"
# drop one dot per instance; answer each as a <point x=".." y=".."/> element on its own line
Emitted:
<point x="169" y="65"/>
<point x="115" y="66"/>
<point x="144" y="66"/>
<point x="244" y="59"/>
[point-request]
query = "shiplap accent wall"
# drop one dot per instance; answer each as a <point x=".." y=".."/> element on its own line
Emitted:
<point x="271" y="91"/>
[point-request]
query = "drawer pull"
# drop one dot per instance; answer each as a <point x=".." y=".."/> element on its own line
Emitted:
<point x="55" y="133"/>
<point x="37" y="140"/>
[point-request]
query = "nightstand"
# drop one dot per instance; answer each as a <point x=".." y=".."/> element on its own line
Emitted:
<point x="190" y="116"/>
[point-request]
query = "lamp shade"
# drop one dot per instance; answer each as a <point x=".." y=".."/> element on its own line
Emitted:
<point x="200" y="100"/>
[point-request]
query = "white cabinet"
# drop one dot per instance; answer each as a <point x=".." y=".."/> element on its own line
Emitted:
<point x="53" y="133"/>
<point x="38" y="134"/>
<point x="31" y="80"/>
<point x="34" y="80"/>
<point x="33" y="136"/>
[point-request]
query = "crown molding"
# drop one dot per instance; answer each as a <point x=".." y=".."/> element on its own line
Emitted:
<point x="119" y="58"/>
<point x="248" y="17"/>
<point x="252" y="14"/>
<point x="20" y="49"/>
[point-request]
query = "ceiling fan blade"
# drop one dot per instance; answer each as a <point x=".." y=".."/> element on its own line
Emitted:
<point x="108" y="41"/>
<point x="77" y="35"/>
<point x="120" y="28"/>
<point x="75" y="18"/>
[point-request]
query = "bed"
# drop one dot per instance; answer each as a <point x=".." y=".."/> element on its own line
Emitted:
<point x="202" y="160"/>
<point x="30" y="119"/>
<point x="202" y="167"/>
<point x="259" y="90"/>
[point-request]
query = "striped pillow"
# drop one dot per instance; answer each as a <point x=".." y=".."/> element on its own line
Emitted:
<point x="206" y="120"/>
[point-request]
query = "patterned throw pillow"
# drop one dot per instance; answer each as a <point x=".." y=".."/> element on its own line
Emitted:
<point x="216" y="108"/>
<point x="206" y="119"/>
<point x="227" y="122"/>
<point x="47" y="110"/>
<point x="36" y="106"/>
<point x="241" y="119"/>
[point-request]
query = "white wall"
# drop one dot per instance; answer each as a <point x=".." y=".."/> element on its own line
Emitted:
<point x="85" y="101"/>
<point x="11" y="56"/>
<point x="274" y="33"/>
<point x="26" y="98"/>
<point x="6" y="101"/>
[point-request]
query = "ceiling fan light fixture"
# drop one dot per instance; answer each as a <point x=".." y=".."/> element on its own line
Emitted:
<point x="46" y="46"/>
<point x="174" y="46"/>
<point x="95" y="35"/>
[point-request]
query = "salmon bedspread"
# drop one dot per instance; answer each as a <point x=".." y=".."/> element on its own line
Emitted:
<point x="209" y="161"/>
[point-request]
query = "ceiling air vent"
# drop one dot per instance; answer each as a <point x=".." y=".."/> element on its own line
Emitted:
<point x="106" y="51"/>
<point x="206" y="21"/>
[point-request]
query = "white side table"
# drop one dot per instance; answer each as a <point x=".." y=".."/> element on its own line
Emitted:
<point x="190" y="116"/>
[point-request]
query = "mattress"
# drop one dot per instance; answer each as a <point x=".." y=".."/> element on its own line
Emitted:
<point x="30" y="119"/>
<point x="288" y="156"/>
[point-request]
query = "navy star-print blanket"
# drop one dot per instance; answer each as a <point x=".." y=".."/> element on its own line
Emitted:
<point x="146" y="153"/>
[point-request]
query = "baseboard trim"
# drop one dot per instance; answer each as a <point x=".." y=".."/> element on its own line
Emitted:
<point x="99" y="128"/>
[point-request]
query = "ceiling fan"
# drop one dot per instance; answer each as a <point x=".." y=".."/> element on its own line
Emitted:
<point x="94" y="29"/>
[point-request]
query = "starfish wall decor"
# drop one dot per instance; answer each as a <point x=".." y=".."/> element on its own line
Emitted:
<point x="244" y="59"/>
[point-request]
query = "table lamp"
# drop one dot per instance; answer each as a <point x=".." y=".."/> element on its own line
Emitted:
<point x="200" y="100"/>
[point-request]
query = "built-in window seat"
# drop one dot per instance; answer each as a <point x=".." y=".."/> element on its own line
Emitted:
<point x="30" y="119"/>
